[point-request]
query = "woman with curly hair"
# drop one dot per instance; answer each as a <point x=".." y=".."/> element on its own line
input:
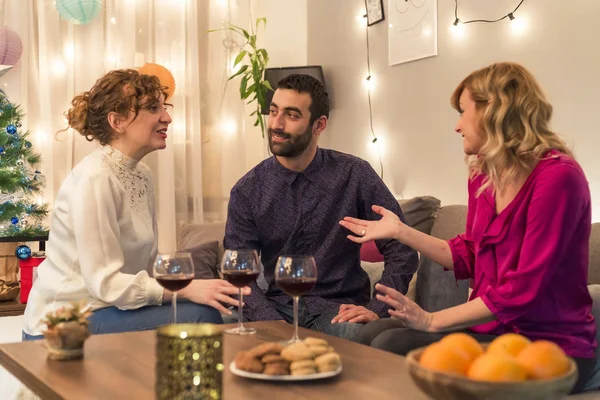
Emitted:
<point x="103" y="238"/>
<point x="526" y="242"/>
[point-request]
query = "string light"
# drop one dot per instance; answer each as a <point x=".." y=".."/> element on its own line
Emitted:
<point x="369" y="85"/>
<point x="510" y="16"/>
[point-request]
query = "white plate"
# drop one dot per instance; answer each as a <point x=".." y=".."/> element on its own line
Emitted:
<point x="322" y="375"/>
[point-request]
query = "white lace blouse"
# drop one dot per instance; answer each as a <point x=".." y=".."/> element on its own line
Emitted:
<point x="103" y="240"/>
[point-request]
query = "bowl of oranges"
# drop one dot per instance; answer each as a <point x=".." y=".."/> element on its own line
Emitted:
<point x="510" y="367"/>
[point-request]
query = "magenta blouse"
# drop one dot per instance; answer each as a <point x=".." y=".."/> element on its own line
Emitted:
<point x="529" y="264"/>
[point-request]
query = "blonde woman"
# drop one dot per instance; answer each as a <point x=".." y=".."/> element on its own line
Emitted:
<point x="527" y="234"/>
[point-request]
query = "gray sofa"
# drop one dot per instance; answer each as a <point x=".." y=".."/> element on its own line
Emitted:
<point x="432" y="288"/>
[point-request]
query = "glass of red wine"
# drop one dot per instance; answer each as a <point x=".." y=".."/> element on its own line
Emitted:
<point x="240" y="268"/>
<point x="295" y="276"/>
<point x="174" y="271"/>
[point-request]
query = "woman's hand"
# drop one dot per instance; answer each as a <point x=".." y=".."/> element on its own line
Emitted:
<point x="212" y="292"/>
<point x="387" y="227"/>
<point x="405" y="310"/>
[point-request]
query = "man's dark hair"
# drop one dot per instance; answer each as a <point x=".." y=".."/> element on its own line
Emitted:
<point x="307" y="84"/>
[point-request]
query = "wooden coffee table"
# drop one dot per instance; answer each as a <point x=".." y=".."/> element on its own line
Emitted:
<point x="121" y="366"/>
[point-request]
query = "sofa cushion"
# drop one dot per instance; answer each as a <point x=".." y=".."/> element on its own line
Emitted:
<point x="370" y="253"/>
<point x="437" y="289"/>
<point x="193" y="234"/>
<point x="205" y="258"/>
<point x="594" y="266"/>
<point x="594" y="381"/>
<point x="420" y="212"/>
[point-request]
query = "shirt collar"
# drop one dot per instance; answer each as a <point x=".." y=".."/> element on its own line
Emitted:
<point x="312" y="172"/>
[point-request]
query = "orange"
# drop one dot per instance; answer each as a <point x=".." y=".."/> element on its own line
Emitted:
<point x="543" y="360"/>
<point x="465" y="343"/>
<point x="497" y="367"/>
<point x="440" y="357"/>
<point x="511" y="343"/>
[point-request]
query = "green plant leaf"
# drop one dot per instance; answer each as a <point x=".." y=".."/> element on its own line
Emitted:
<point x="251" y="100"/>
<point x="242" y="69"/>
<point x="248" y="91"/>
<point x="259" y="20"/>
<point x="263" y="53"/>
<point x="261" y="122"/>
<point x="239" y="57"/>
<point x="268" y="86"/>
<point x="243" y="85"/>
<point x="253" y="113"/>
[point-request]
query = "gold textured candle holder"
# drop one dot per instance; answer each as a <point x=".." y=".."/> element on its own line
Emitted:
<point x="189" y="362"/>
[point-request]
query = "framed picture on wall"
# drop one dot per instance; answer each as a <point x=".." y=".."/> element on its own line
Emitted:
<point x="413" y="30"/>
<point x="374" y="11"/>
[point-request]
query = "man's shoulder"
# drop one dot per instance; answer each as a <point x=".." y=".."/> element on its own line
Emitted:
<point x="337" y="157"/>
<point x="255" y="175"/>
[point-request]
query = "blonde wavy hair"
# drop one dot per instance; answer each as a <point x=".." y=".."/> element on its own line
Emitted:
<point x="515" y="116"/>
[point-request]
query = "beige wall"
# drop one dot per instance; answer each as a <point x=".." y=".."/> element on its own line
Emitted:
<point x="422" y="154"/>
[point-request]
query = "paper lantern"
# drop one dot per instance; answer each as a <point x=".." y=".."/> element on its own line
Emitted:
<point x="78" y="11"/>
<point x="164" y="76"/>
<point x="11" y="46"/>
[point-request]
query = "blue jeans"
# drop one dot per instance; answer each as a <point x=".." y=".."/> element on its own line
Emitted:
<point x="113" y="320"/>
<point x="320" y="323"/>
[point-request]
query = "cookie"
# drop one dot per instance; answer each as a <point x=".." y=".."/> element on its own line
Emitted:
<point x="328" y="362"/>
<point x="266" y="348"/>
<point x="246" y="362"/>
<point x="328" y="358"/>
<point x="303" y="364"/>
<point x="296" y="352"/>
<point x="319" y="350"/>
<point x="276" y="369"/>
<point x="304" y="371"/>
<point x="327" y="367"/>
<point x="269" y="358"/>
<point x="313" y="341"/>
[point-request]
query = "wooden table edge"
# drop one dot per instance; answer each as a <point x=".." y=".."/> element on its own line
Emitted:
<point x="22" y="374"/>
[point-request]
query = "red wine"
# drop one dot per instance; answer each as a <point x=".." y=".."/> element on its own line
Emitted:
<point x="240" y="278"/>
<point x="296" y="286"/>
<point x="174" y="282"/>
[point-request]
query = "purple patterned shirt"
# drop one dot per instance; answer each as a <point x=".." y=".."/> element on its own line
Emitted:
<point x="278" y="211"/>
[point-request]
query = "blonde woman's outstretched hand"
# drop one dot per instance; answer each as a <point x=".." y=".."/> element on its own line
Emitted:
<point x="385" y="228"/>
<point x="404" y="309"/>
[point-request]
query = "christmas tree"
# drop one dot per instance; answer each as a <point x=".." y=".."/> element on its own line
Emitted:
<point x="20" y="181"/>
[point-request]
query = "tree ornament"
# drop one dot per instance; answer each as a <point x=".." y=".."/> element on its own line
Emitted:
<point x="23" y="252"/>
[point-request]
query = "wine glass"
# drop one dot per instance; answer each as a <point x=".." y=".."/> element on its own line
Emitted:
<point x="295" y="276"/>
<point x="240" y="268"/>
<point x="174" y="271"/>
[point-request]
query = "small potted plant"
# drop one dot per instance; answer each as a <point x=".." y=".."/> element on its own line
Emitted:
<point x="67" y="330"/>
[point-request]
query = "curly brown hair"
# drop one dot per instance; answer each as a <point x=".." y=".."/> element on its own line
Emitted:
<point x="119" y="91"/>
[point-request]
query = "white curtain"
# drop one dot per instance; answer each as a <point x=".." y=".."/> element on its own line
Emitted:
<point x="61" y="60"/>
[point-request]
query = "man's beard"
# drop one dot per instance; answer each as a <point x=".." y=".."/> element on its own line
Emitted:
<point x="295" y="146"/>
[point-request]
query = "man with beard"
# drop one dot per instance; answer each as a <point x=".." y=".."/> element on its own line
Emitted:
<point x="291" y="204"/>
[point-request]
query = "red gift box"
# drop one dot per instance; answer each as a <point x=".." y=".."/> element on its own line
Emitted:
<point x="27" y="271"/>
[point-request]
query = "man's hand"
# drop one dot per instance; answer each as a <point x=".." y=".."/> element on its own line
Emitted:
<point x="353" y="313"/>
